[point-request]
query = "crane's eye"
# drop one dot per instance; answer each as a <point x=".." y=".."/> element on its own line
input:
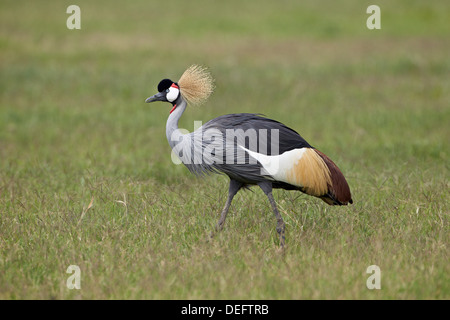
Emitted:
<point x="167" y="90"/>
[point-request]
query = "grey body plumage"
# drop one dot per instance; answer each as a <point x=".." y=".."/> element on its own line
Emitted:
<point x="229" y="132"/>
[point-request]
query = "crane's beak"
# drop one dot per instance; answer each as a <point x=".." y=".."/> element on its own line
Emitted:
<point x="160" y="96"/>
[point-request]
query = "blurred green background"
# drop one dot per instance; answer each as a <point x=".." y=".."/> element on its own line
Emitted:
<point x="74" y="127"/>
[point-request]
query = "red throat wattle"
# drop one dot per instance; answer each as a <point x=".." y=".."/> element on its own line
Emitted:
<point x="174" y="106"/>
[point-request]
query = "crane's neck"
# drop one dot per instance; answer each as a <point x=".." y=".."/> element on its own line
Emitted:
<point x="172" y="131"/>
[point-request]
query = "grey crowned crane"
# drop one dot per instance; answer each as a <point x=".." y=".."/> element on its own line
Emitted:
<point x="249" y="148"/>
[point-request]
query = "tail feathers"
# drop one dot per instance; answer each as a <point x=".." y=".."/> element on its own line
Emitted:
<point x="338" y="191"/>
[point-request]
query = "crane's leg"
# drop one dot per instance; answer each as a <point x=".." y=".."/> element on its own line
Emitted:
<point x="266" y="186"/>
<point x="233" y="189"/>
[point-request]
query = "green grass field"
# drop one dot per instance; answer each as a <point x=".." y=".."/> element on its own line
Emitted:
<point x="74" y="128"/>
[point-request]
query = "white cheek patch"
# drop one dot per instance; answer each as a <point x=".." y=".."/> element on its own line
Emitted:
<point x="172" y="95"/>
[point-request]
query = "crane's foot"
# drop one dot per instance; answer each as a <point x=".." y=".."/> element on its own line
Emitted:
<point x="280" y="231"/>
<point x="282" y="242"/>
<point x="218" y="228"/>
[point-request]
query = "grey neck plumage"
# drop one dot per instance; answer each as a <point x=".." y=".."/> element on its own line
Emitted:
<point x="172" y="131"/>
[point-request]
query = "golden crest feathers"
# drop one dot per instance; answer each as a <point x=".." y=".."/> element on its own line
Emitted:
<point x="196" y="85"/>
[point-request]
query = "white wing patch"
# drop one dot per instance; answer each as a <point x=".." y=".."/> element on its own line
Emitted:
<point x="278" y="166"/>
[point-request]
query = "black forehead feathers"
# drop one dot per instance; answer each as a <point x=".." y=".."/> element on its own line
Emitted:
<point x="164" y="84"/>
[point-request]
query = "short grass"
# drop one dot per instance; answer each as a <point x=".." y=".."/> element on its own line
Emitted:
<point x="74" y="128"/>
